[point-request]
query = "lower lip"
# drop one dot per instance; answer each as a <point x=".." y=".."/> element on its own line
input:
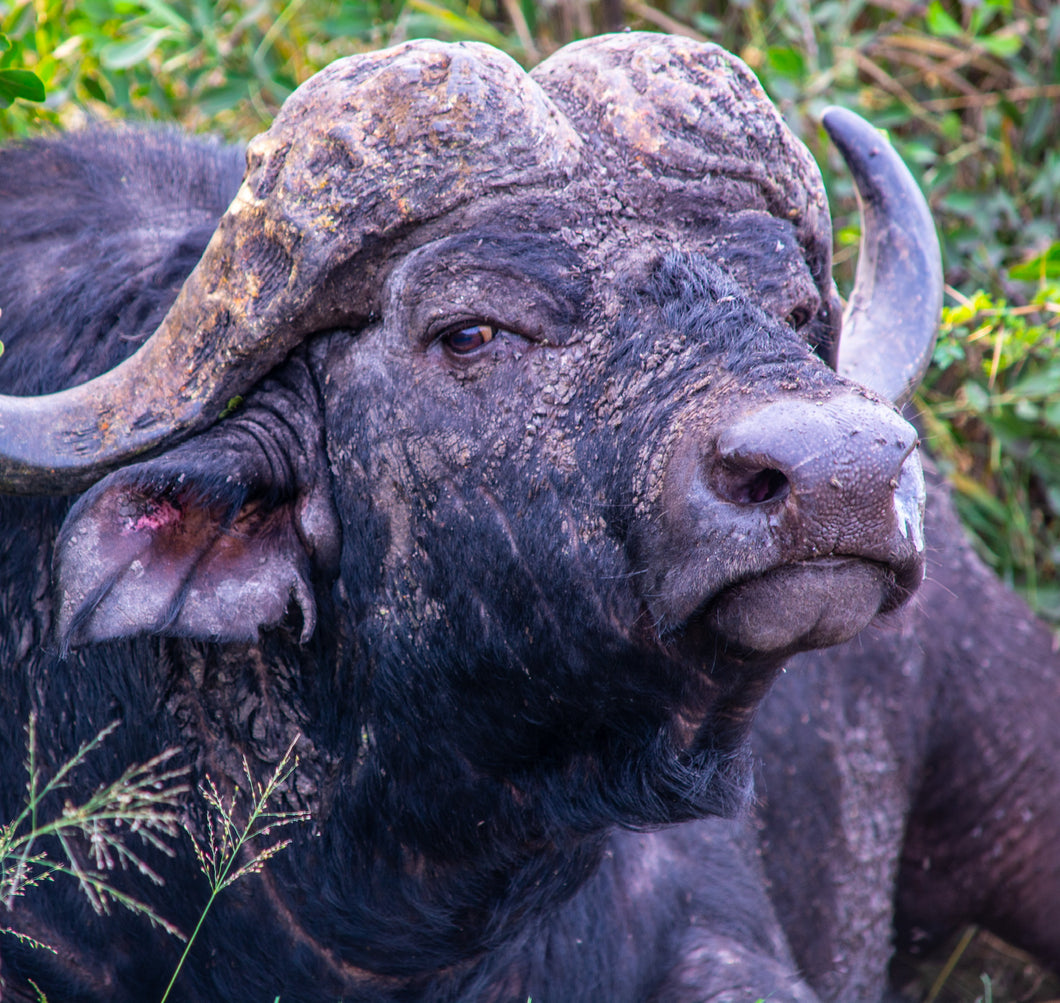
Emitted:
<point x="812" y="604"/>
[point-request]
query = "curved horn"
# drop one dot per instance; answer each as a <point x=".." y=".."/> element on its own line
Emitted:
<point x="892" y="317"/>
<point x="692" y="126"/>
<point x="358" y="155"/>
<point x="690" y="137"/>
<point x="176" y="383"/>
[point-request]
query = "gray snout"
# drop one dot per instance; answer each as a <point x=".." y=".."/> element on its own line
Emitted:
<point x="845" y="469"/>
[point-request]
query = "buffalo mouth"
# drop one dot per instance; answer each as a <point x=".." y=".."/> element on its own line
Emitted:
<point x="794" y="607"/>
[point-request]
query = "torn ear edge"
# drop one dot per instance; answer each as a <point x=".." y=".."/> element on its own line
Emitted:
<point x="152" y="549"/>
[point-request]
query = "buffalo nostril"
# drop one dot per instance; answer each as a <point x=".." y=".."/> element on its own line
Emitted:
<point x="758" y="488"/>
<point x="835" y="456"/>
<point x="746" y="477"/>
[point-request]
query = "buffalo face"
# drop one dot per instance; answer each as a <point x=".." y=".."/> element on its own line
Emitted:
<point x="551" y="428"/>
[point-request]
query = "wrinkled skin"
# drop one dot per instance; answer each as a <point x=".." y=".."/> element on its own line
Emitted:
<point x="465" y="583"/>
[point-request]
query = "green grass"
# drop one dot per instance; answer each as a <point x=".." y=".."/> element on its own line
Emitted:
<point x="225" y="853"/>
<point x="54" y="839"/>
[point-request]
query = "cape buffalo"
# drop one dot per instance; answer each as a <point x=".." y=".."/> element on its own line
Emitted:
<point x="492" y="440"/>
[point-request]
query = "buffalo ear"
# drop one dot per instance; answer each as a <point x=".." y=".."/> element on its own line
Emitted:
<point x="159" y="549"/>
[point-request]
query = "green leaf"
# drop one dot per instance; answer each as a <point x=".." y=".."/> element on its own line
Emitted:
<point x="919" y="153"/>
<point x="233" y="405"/>
<point x="787" y="62"/>
<point x="946" y="353"/>
<point x="1044" y="265"/>
<point x="978" y="399"/>
<point x="982" y="14"/>
<point x="93" y="88"/>
<point x="1026" y="410"/>
<point x="20" y="84"/>
<point x="97" y="11"/>
<point x="228" y="95"/>
<point x="848" y="236"/>
<point x="940" y="22"/>
<point x="1043" y="383"/>
<point x="967" y="204"/>
<point x="1053" y="36"/>
<point x="349" y="23"/>
<point x="1002" y="46"/>
<point x="984" y="501"/>
<point x="165" y="13"/>
<point x="951" y="125"/>
<point x="707" y="24"/>
<point x="122" y="55"/>
<point x="432" y="17"/>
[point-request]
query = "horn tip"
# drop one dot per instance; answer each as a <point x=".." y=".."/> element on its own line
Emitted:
<point x="845" y="126"/>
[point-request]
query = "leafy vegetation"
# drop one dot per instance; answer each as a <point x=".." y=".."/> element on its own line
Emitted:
<point x="991" y="411"/>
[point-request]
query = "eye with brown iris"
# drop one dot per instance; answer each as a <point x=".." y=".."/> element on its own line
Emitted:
<point x="464" y="340"/>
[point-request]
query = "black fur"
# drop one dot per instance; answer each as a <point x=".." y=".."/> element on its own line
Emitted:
<point x="486" y="709"/>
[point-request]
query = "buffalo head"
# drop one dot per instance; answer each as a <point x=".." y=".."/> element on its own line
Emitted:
<point x="540" y="406"/>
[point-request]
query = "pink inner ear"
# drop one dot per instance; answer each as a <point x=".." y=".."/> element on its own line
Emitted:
<point x="155" y="515"/>
<point x="133" y="562"/>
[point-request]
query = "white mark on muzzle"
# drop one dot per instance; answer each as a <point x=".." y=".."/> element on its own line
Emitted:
<point x="909" y="499"/>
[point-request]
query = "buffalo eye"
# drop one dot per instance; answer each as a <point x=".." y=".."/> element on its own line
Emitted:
<point x="465" y="340"/>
